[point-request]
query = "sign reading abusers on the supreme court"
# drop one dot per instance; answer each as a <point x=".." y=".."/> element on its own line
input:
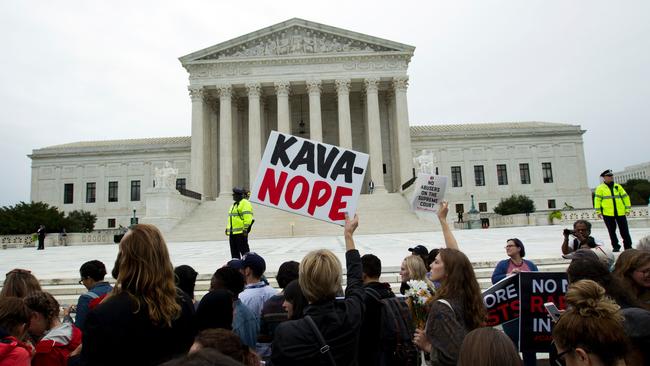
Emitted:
<point x="309" y="178"/>
<point x="429" y="190"/>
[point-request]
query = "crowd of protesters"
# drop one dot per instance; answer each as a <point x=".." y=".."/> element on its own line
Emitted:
<point x="151" y="315"/>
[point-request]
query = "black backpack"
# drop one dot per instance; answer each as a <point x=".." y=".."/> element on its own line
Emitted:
<point x="396" y="331"/>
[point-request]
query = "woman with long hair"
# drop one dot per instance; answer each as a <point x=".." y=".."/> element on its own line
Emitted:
<point x="414" y="268"/>
<point x="145" y="316"/>
<point x="19" y="283"/>
<point x="488" y="346"/>
<point x="590" y="331"/>
<point x="633" y="269"/>
<point x="457" y="306"/>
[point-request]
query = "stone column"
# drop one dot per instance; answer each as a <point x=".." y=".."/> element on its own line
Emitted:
<point x="225" y="139"/>
<point x="254" y="131"/>
<point x="282" y="92"/>
<point x="315" y="119"/>
<point x="400" y="84"/>
<point x="197" y="157"/>
<point x="345" y="125"/>
<point x="374" y="134"/>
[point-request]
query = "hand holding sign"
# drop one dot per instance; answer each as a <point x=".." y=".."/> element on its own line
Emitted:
<point x="309" y="178"/>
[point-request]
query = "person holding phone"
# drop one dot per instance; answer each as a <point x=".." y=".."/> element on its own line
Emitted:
<point x="582" y="237"/>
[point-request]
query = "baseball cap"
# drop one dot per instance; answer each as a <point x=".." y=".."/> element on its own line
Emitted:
<point x="252" y="260"/>
<point x="607" y="172"/>
<point x="581" y="253"/>
<point x="419" y="250"/>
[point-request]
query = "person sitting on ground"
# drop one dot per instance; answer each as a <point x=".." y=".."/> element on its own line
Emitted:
<point x="256" y="291"/>
<point x="215" y="310"/>
<point x="633" y="269"/>
<point x="515" y="264"/>
<point x="244" y="323"/>
<point x="369" y="339"/>
<point x="295" y="301"/>
<point x="145" y="316"/>
<point x="327" y="321"/>
<point x="227" y="343"/>
<point x="14" y="321"/>
<point x="56" y="340"/>
<point x="457" y="306"/>
<point x="412" y="268"/>
<point x="590" y="331"/>
<point x="488" y="347"/>
<point x="92" y="277"/>
<point x="582" y="234"/>
<point x="19" y="283"/>
<point x="185" y="277"/>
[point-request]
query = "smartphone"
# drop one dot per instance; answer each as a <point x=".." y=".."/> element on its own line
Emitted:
<point x="552" y="310"/>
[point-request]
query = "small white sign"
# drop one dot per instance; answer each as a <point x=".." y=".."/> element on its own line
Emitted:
<point x="428" y="191"/>
<point x="309" y="178"/>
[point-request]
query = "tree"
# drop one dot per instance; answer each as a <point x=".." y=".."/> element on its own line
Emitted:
<point x="639" y="191"/>
<point x="80" y="221"/>
<point x="515" y="204"/>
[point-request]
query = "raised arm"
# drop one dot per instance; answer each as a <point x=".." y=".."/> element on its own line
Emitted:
<point x="351" y="225"/>
<point x="450" y="240"/>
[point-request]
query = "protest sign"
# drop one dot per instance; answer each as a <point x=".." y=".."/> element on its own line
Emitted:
<point x="536" y="288"/>
<point x="502" y="301"/>
<point x="309" y="178"/>
<point x="428" y="191"/>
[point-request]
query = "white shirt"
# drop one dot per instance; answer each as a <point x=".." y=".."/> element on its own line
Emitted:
<point x="255" y="295"/>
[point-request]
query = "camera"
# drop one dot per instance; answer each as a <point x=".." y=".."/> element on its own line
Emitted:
<point x="568" y="232"/>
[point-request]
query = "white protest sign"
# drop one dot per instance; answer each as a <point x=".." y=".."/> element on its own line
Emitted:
<point x="309" y="178"/>
<point x="428" y="191"/>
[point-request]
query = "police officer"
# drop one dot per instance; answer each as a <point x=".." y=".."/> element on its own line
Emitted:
<point x="240" y="220"/>
<point x="613" y="205"/>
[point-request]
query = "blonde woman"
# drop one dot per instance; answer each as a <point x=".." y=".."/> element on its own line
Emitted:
<point x="145" y="320"/>
<point x="413" y="268"/>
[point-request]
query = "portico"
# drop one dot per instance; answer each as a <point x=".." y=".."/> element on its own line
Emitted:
<point x="303" y="78"/>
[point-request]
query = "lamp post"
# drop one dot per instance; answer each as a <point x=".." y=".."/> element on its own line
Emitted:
<point x="134" y="219"/>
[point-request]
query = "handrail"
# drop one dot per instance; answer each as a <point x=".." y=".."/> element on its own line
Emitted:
<point x="188" y="193"/>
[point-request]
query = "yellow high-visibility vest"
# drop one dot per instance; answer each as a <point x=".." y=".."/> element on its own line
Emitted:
<point x="604" y="200"/>
<point x="240" y="217"/>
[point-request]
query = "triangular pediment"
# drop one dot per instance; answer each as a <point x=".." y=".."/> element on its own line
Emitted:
<point x="297" y="37"/>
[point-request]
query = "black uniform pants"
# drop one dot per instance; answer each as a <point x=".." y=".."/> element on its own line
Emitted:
<point x="238" y="245"/>
<point x="611" y="222"/>
<point x="41" y="243"/>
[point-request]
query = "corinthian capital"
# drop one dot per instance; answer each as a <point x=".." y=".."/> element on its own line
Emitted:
<point x="225" y="91"/>
<point x="372" y="85"/>
<point x="314" y="86"/>
<point x="196" y="93"/>
<point x="254" y="90"/>
<point x="342" y="86"/>
<point x="400" y="83"/>
<point x="282" y="88"/>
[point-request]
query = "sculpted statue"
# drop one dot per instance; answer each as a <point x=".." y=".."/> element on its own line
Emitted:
<point x="165" y="178"/>
<point x="424" y="162"/>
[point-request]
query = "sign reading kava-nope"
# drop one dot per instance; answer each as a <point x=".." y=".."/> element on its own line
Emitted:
<point x="309" y="178"/>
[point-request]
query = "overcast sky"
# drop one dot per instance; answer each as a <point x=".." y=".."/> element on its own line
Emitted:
<point x="93" y="70"/>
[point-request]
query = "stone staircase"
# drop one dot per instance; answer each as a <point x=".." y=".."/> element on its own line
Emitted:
<point x="67" y="290"/>
<point x="381" y="213"/>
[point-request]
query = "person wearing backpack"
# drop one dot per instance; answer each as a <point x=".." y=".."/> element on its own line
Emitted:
<point x="385" y="337"/>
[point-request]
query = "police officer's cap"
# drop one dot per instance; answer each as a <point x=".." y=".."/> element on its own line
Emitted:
<point x="607" y="173"/>
<point x="239" y="190"/>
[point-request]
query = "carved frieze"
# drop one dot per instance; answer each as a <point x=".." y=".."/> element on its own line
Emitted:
<point x="296" y="41"/>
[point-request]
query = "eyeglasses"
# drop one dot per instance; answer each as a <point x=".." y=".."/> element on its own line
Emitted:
<point x="81" y="281"/>
<point x="560" y="356"/>
<point x="510" y="246"/>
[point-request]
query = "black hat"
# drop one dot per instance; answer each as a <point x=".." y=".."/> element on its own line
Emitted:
<point x="607" y="172"/>
<point x="419" y="250"/>
<point x="239" y="190"/>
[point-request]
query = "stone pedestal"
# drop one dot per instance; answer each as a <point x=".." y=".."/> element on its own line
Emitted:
<point x="166" y="208"/>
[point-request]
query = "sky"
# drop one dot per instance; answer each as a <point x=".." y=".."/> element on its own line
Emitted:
<point x="80" y="70"/>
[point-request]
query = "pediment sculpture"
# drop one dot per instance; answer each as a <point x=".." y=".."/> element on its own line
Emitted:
<point x="296" y="41"/>
<point x="165" y="178"/>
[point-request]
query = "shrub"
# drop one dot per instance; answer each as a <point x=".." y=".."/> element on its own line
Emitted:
<point x="515" y="204"/>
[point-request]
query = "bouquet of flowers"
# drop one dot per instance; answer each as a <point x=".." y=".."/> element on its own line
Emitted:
<point x="419" y="297"/>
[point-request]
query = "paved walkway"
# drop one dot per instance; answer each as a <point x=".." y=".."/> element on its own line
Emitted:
<point x="205" y="257"/>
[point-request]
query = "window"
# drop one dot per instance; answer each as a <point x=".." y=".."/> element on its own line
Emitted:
<point x="112" y="191"/>
<point x="91" y="189"/>
<point x="180" y="183"/>
<point x="482" y="206"/>
<point x="479" y="175"/>
<point x="111" y="223"/>
<point x="135" y="190"/>
<point x="524" y="172"/>
<point x="68" y="192"/>
<point x="384" y="168"/>
<point x="547" y="172"/>
<point x="551" y="203"/>
<point x="456" y="177"/>
<point x="460" y="208"/>
<point x="502" y="175"/>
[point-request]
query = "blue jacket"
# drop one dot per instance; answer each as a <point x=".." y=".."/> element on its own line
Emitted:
<point x="98" y="290"/>
<point x="501" y="270"/>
